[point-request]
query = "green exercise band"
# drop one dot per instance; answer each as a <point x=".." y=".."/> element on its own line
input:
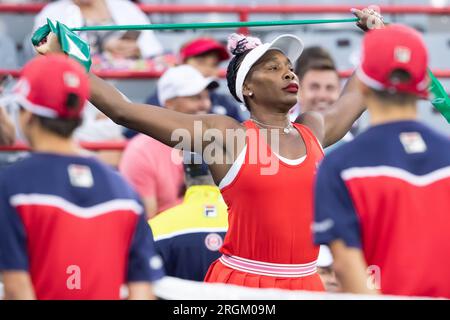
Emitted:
<point x="212" y="25"/>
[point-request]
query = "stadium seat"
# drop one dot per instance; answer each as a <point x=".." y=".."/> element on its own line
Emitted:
<point x="8" y="53"/>
<point x="439" y="49"/>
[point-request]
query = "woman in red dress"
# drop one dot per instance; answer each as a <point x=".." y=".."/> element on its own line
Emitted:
<point x="266" y="178"/>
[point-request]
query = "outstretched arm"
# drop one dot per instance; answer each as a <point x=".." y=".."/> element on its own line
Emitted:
<point x="154" y="121"/>
<point x="159" y="123"/>
<point x="332" y="126"/>
<point x="338" y="119"/>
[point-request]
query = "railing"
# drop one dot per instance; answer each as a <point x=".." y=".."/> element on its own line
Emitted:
<point x="243" y="10"/>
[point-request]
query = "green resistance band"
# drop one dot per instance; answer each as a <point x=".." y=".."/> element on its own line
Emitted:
<point x="71" y="43"/>
<point x="439" y="98"/>
<point x="214" y="25"/>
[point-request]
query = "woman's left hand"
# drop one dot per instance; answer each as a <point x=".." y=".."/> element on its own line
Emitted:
<point x="50" y="44"/>
<point x="369" y="18"/>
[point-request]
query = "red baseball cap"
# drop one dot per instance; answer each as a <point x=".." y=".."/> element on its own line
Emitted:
<point x="391" y="48"/>
<point x="202" y="45"/>
<point x="53" y="86"/>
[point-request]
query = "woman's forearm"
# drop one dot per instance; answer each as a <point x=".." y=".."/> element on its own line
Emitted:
<point x="341" y="116"/>
<point x="160" y="123"/>
<point x="107" y="99"/>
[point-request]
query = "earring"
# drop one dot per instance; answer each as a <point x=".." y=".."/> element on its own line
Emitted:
<point x="250" y="94"/>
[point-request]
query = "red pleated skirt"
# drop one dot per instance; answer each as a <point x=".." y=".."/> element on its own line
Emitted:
<point x="218" y="272"/>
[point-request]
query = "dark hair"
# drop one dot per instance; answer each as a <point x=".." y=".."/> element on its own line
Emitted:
<point x="61" y="127"/>
<point x="64" y="127"/>
<point x="392" y="96"/>
<point x="314" y="58"/>
<point x="232" y="71"/>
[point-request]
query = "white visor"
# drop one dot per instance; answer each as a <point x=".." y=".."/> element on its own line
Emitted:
<point x="288" y="44"/>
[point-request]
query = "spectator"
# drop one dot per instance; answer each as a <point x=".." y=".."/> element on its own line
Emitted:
<point x="78" y="13"/>
<point x="154" y="169"/>
<point x="319" y="85"/>
<point x="382" y="203"/>
<point x="195" y="228"/>
<point x="319" y="80"/>
<point x="60" y="211"/>
<point x="206" y="54"/>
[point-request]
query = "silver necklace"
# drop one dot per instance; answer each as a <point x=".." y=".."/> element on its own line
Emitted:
<point x="286" y="129"/>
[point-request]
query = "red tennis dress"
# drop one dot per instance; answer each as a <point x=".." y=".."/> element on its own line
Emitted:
<point x="269" y="243"/>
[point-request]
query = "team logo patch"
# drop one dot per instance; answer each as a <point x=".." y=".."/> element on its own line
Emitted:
<point x="402" y="54"/>
<point x="412" y="142"/>
<point x="210" y="211"/>
<point x="80" y="176"/>
<point x="213" y="241"/>
<point x="71" y="80"/>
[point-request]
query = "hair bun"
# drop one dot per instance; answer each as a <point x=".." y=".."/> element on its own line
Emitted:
<point x="238" y="43"/>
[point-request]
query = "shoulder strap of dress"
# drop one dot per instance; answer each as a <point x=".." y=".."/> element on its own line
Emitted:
<point x="308" y="134"/>
<point x="249" y="124"/>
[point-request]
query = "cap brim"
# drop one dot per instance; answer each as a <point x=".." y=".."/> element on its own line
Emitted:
<point x="290" y="45"/>
<point x="33" y="108"/>
<point x="376" y="85"/>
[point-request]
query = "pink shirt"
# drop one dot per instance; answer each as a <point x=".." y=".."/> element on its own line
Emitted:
<point x="154" y="170"/>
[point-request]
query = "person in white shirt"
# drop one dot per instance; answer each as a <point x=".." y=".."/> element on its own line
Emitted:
<point x="128" y="44"/>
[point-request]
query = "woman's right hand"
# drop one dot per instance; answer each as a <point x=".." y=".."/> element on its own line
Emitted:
<point x="49" y="44"/>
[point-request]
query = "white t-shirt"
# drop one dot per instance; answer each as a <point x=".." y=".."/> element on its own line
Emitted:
<point x="122" y="12"/>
